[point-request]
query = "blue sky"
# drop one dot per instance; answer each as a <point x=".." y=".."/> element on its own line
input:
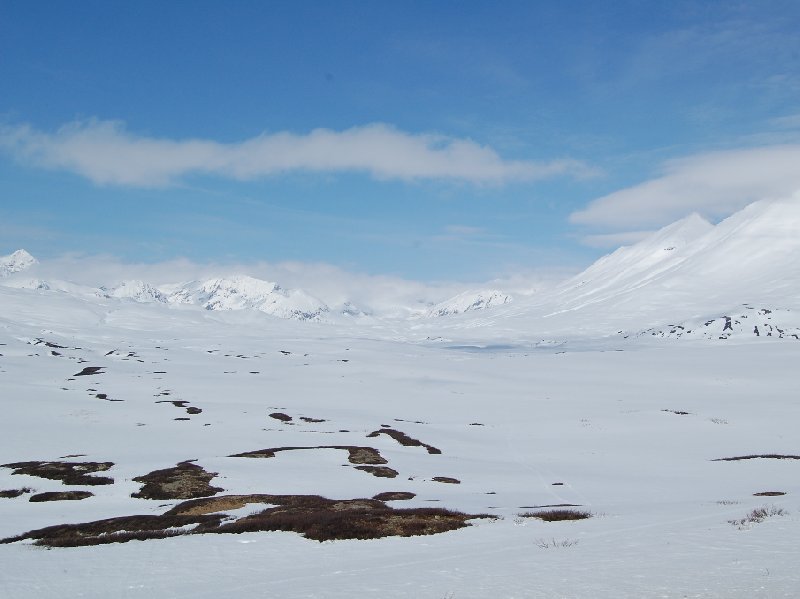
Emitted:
<point x="430" y="140"/>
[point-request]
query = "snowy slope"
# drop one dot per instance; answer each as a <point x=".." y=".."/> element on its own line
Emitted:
<point x="571" y="398"/>
<point x="518" y="429"/>
<point x="752" y="256"/>
<point x="16" y="262"/>
<point x="686" y="273"/>
<point x="629" y="268"/>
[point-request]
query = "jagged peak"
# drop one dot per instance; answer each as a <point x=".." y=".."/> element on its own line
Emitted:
<point x="16" y="262"/>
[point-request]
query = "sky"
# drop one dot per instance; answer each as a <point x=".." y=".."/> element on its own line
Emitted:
<point x="434" y="141"/>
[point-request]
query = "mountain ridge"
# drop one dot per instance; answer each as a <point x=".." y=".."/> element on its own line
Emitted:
<point x="688" y="270"/>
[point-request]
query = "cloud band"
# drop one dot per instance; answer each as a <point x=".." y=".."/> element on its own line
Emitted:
<point x="107" y="154"/>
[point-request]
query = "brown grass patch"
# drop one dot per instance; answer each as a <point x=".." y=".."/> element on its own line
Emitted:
<point x="404" y="439"/>
<point x="324" y="519"/>
<point x="113" y="530"/>
<point x="222" y="503"/>
<point x="769" y="494"/>
<point x="557" y="515"/>
<point x="90" y="370"/>
<point x="184" y="481"/>
<point x="758" y="515"/>
<point x="759" y="456"/>
<point x="447" y="479"/>
<point x="69" y="473"/>
<point x="379" y="471"/>
<point x="312" y="516"/>
<point x="540" y="507"/>
<point x="281" y="416"/>
<point x="395" y="496"/>
<point x="11" y="493"/>
<point x="60" y="496"/>
<point x="356" y="454"/>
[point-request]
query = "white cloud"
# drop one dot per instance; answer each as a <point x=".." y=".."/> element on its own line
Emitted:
<point x="107" y="154"/>
<point x="714" y="184"/>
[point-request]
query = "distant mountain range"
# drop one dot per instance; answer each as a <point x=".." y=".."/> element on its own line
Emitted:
<point x="689" y="279"/>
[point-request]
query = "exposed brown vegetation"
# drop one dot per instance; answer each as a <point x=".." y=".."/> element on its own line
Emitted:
<point x="539" y="507"/>
<point x="758" y="515"/>
<point x="356" y="454"/>
<point x="184" y="481"/>
<point x="759" y="456"/>
<point x="180" y="403"/>
<point x="90" y="370"/>
<point x="395" y="496"/>
<point x="769" y="494"/>
<point x="557" y="515"/>
<point x="312" y="516"/>
<point x="221" y="503"/>
<point x="447" y="479"/>
<point x="11" y="493"/>
<point x="324" y="519"/>
<point x="281" y="416"/>
<point x="60" y="496"/>
<point x="69" y="473"/>
<point x="379" y="471"/>
<point x="114" y="530"/>
<point x="404" y="439"/>
<point x="309" y="419"/>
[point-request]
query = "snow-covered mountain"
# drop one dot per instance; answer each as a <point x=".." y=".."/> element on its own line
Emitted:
<point x="138" y="291"/>
<point x="687" y="273"/>
<point x="470" y="301"/>
<point x="692" y="267"/>
<point x="242" y="292"/>
<point x="16" y="262"/>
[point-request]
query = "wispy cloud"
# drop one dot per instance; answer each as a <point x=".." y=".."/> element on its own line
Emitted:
<point x="790" y="121"/>
<point x="107" y="154"/>
<point x="714" y="184"/>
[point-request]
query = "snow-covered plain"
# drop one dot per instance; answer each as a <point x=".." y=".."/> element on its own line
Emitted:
<point x="581" y="397"/>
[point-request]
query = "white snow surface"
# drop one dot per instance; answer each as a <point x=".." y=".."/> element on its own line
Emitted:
<point x="615" y="396"/>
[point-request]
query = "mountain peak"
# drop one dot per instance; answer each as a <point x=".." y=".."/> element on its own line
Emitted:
<point x="240" y="292"/>
<point x="469" y="301"/>
<point x="16" y="262"/>
<point x="138" y="291"/>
